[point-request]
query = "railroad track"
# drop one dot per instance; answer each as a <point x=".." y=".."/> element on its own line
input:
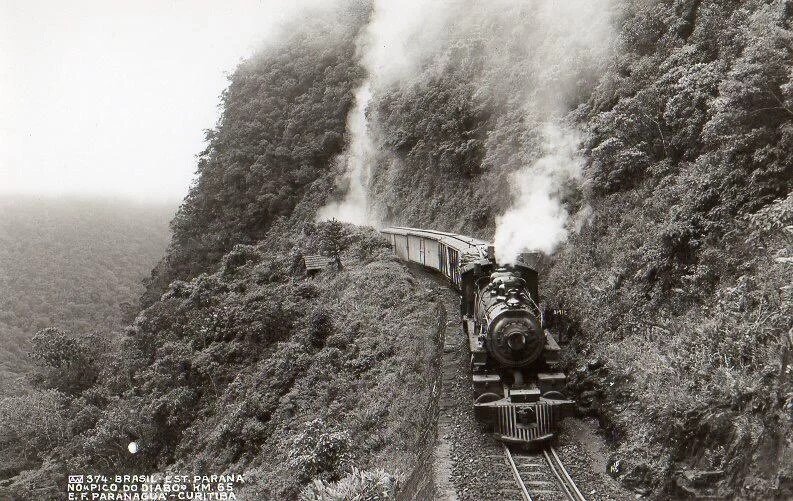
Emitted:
<point x="541" y="476"/>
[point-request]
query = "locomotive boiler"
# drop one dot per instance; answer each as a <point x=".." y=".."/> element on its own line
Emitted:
<point x="516" y="387"/>
<point x="507" y="319"/>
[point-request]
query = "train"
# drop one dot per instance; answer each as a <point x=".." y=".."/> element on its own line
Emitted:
<point x="517" y="389"/>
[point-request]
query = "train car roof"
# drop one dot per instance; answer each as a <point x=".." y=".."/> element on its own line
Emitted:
<point x="461" y="242"/>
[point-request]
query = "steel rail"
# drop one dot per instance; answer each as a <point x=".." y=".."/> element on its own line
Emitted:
<point x="568" y="487"/>
<point x="561" y="473"/>
<point x="516" y="474"/>
<point x="562" y="483"/>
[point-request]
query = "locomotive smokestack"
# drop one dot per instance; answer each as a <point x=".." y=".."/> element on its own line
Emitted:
<point x="490" y="253"/>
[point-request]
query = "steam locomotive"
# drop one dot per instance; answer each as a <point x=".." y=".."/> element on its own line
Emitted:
<point x="517" y="390"/>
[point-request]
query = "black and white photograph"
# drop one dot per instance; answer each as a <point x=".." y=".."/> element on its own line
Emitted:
<point x="411" y="250"/>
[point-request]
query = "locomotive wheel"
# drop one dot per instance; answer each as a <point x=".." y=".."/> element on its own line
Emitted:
<point x="487" y="397"/>
<point x="553" y="395"/>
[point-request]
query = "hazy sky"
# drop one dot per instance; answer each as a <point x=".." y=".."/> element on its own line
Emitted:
<point x="111" y="97"/>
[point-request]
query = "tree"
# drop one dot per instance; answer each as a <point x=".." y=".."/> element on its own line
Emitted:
<point x="65" y="362"/>
<point x="333" y="240"/>
<point x="283" y="123"/>
<point x="31" y="424"/>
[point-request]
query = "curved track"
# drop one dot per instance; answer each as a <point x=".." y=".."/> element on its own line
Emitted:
<point x="541" y="476"/>
<point x="470" y="464"/>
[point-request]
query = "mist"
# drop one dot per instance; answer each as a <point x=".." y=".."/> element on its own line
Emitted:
<point x="112" y="98"/>
<point x="539" y="58"/>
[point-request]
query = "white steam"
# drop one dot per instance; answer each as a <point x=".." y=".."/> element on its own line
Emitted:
<point x="354" y="208"/>
<point x="399" y="36"/>
<point x="537" y="221"/>
<point x="567" y="45"/>
<point x="534" y="58"/>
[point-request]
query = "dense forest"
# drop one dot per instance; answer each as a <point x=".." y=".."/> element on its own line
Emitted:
<point x="678" y="275"/>
<point x="676" y="266"/>
<point x="270" y="158"/>
<point x="75" y="264"/>
<point x="253" y="369"/>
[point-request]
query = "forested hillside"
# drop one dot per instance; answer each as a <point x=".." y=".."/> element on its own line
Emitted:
<point x="675" y="267"/>
<point x="677" y="263"/>
<point x="74" y="264"/>
<point x="252" y="370"/>
<point x="677" y="270"/>
<point x="271" y="157"/>
<point x="244" y="364"/>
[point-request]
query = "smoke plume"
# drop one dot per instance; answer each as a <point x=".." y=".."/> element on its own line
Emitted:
<point x="392" y="46"/>
<point x="354" y="208"/>
<point x="568" y="46"/>
<point x="537" y="220"/>
<point x="536" y="58"/>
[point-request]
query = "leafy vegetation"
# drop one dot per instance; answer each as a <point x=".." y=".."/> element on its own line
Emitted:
<point x="270" y="157"/>
<point x="76" y="265"/>
<point x="679" y="275"/>
<point x="357" y="485"/>
<point x="254" y="368"/>
<point x="676" y="268"/>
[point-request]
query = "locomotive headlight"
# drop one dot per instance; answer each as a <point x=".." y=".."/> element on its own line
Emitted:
<point x="516" y="341"/>
<point x="515" y="335"/>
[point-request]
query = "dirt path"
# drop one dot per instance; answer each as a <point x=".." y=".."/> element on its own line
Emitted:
<point x="466" y="461"/>
<point x="583" y="449"/>
<point x="444" y="486"/>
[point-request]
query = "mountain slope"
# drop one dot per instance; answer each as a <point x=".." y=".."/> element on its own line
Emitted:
<point x="254" y="369"/>
<point x="677" y="266"/>
<point x="283" y="121"/>
<point x="72" y="264"/>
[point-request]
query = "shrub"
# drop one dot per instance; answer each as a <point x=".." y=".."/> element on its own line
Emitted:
<point x="68" y="363"/>
<point x="33" y="424"/>
<point x="318" y="452"/>
<point x="355" y="486"/>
